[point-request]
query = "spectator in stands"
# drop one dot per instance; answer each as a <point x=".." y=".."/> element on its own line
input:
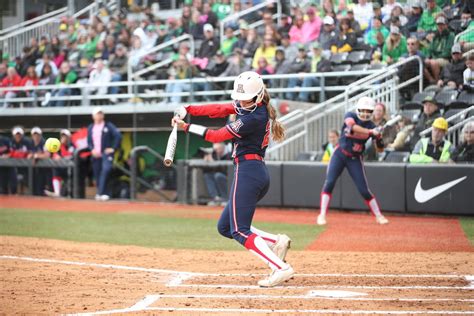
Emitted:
<point x="60" y="57"/>
<point x="388" y="7"/>
<point x="329" y="35"/>
<point x="291" y="50"/>
<point x="301" y="64"/>
<point x="414" y="17"/>
<point x="371" y="35"/>
<point x="346" y="38"/>
<point x="27" y="59"/>
<point x="229" y="41"/>
<point x="452" y="74"/>
<point x="208" y="16"/>
<point x="186" y="19"/>
<point x="397" y="14"/>
<point x="330" y="146"/>
<point x="434" y="149"/>
<point x="66" y="76"/>
<point x="267" y="18"/>
<point x="468" y="74"/>
<point x="242" y="38"/>
<point x="60" y="175"/>
<point x="464" y="152"/>
<point x="266" y="50"/>
<point x="312" y="27"/>
<point x="216" y="182"/>
<point x="282" y="66"/>
<point x="296" y="31"/>
<point x="218" y="67"/>
<point x="251" y="45"/>
<point x="210" y="45"/>
<point x="467" y="24"/>
<point x="100" y="74"/>
<point x="30" y="80"/>
<point x="430" y="113"/>
<point x="11" y="80"/>
<point x="236" y="66"/>
<point x="427" y="22"/>
<point x="404" y="128"/>
<point x="395" y="46"/>
<point x="47" y="78"/>
<point x="103" y="139"/>
<point x="40" y="175"/>
<point x="318" y="64"/>
<point x="354" y="24"/>
<point x="363" y="13"/>
<point x="182" y="69"/>
<point x="3" y="71"/>
<point x="46" y="60"/>
<point x="196" y="27"/>
<point x="439" y="49"/>
<point x="410" y="69"/>
<point x="285" y="25"/>
<point x="20" y="147"/>
<point x="222" y="9"/>
<point x="118" y="66"/>
<point x="137" y="52"/>
<point x="264" y="68"/>
<point x="110" y="46"/>
<point x="388" y="135"/>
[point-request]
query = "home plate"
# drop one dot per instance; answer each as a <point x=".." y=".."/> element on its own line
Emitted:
<point x="334" y="293"/>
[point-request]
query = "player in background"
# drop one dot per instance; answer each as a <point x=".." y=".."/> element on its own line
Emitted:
<point x="356" y="130"/>
<point x="250" y="134"/>
<point x="66" y="151"/>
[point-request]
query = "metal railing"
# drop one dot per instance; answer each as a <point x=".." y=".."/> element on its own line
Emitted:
<point x="38" y="19"/>
<point x="135" y="179"/>
<point x="162" y="63"/>
<point x="154" y="91"/>
<point x="307" y="130"/>
<point x="460" y="116"/>
<point x="456" y="38"/>
<point x="237" y="15"/>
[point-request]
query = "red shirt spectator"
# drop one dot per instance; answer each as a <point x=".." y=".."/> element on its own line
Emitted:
<point x="31" y="79"/>
<point x="11" y="80"/>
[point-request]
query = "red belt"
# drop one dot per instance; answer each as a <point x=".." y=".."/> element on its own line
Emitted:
<point x="248" y="157"/>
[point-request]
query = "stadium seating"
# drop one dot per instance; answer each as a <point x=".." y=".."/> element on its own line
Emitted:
<point x="446" y="97"/>
<point x="310" y="156"/>
<point x="466" y="97"/>
<point x="339" y="58"/>
<point x="397" y="156"/>
<point x="420" y="96"/>
<point x="357" y="57"/>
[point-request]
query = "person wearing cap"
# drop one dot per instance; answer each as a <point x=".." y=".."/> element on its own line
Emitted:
<point x="439" y="49"/>
<point x="318" y="64"/>
<point x="210" y="45"/>
<point x="311" y="27"/>
<point x="242" y="37"/>
<point x="329" y="34"/>
<point x="427" y="21"/>
<point x="301" y="64"/>
<point x="236" y="65"/>
<point x="285" y="25"/>
<point x="464" y="152"/>
<point x="40" y="175"/>
<point x="229" y="41"/>
<point x="60" y="175"/>
<point x="395" y="46"/>
<point x="414" y="17"/>
<point x="118" y="63"/>
<point x="410" y="69"/>
<point x="371" y="35"/>
<point x="430" y="113"/>
<point x="355" y="26"/>
<point x="218" y="68"/>
<point x="452" y="74"/>
<point x="434" y="149"/>
<point x="363" y="13"/>
<point x="468" y="75"/>
<point x="103" y="139"/>
<point x="20" y="148"/>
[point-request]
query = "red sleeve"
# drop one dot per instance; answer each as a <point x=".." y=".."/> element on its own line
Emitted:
<point x="18" y="154"/>
<point x="218" y="136"/>
<point x="211" y="110"/>
<point x="349" y="121"/>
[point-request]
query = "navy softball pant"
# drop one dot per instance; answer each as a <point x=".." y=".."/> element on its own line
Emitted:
<point x="250" y="184"/>
<point x="354" y="165"/>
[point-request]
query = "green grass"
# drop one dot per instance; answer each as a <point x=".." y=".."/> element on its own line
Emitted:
<point x="146" y="230"/>
<point x="468" y="226"/>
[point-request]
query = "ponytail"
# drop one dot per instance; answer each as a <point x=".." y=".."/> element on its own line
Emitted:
<point x="278" y="131"/>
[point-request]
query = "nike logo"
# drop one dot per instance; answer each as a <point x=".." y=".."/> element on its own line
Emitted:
<point x="422" y="196"/>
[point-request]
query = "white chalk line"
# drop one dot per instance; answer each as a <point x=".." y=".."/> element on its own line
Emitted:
<point x="367" y="287"/>
<point x="138" y="307"/>
<point x="166" y="271"/>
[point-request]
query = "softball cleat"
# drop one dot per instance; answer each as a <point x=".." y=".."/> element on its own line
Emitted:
<point x="277" y="277"/>
<point x="280" y="248"/>
<point x="381" y="220"/>
<point x="321" y="220"/>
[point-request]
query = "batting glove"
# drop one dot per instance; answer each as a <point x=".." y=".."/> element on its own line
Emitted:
<point x="181" y="112"/>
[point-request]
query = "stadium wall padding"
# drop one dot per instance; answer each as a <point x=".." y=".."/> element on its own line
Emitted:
<point x="447" y="189"/>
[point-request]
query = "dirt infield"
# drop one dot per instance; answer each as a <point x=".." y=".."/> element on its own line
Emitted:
<point x="415" y="265"/>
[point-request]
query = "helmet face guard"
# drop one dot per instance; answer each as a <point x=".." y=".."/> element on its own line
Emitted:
<point x="365" y="114"/>
<point x="248" y="86"/>
<point x="365" y="108"/>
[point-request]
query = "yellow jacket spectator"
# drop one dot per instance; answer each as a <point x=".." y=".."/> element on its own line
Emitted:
<point x="266" y="50"/>
<point x="436" y="149"/>
<point x="330" y="146"/>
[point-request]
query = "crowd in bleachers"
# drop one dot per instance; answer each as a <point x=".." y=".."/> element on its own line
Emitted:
<point x="307" y="38"/>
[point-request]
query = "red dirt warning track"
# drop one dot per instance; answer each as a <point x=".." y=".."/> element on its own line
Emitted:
<point x="345" y="231"/>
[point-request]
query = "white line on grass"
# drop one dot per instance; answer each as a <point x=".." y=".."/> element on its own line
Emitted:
<point x="256" y="287"/>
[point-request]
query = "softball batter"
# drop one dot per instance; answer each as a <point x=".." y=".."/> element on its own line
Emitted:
<point x="250" y="134"/>
<point x="356" y="130"/>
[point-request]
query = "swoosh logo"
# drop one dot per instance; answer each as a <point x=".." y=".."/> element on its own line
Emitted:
<point x="422" y="196"/>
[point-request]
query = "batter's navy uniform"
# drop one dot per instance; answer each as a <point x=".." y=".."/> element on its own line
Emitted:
<point x="348" y="154"/>
<point x="251" y="179"/>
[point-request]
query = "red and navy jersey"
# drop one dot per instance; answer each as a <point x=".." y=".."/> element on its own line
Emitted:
<point x="38" y="148"/>
<point x="20" y="149"/>
<point x="251" y="132"/>
<point x="351" y="142"/>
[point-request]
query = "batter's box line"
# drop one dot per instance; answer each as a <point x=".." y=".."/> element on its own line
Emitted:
<point x="144" y="305"/>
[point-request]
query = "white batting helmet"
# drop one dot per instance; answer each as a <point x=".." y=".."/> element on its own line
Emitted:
<point x="365" y="103"/>
<point x="247" y="86"/>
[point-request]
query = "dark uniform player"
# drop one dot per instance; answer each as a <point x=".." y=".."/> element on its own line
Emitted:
<point x="66" y="151"/>
<point x="20" y="147"/>
<point x="41" y="176"/>
<point x="4" y="171"/>
<point x="356" y="130"/>
<point x="250" y="134"/>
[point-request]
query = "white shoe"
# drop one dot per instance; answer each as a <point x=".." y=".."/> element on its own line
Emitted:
<point x="97" y="197"/>
<point x="51" y="194"/>
<point x="277" y="277"/>
<point x="321" y="220"/>
<point x="47" y="98"/>
<point x="381" y="220"/>
<point x="104" y="197"/>
<point x="280" y="248"/>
